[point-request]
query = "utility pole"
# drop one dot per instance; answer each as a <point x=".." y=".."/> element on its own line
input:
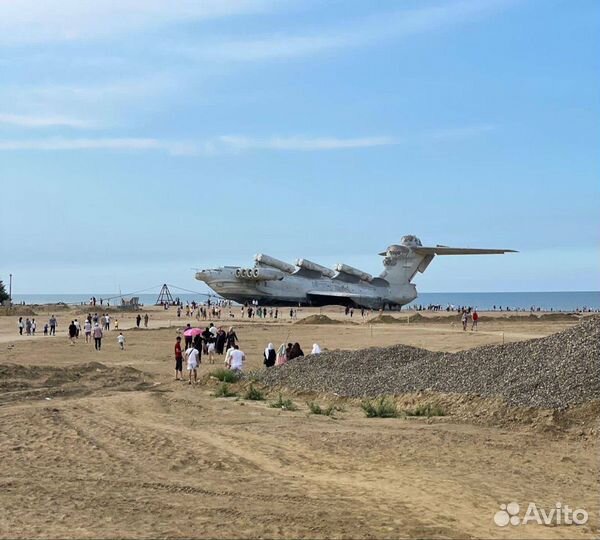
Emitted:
<point x="9" y="290"/>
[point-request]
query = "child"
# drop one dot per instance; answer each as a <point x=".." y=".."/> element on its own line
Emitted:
<point x="116" y="324"/>
<point x="121" y="340"/>
<point x="193" y="359"/>
<point x="46" y="329"/>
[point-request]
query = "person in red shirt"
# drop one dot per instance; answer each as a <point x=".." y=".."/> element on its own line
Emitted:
<point x="178" y="360"/>
<point x="475" y="318"/>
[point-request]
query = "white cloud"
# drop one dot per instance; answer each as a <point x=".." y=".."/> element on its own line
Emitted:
<point x="374" y="29"/>
<point x="235" y="142"/>
<point x="224" y="144"/>
<point x="42" y="121"/>
<point x="58" y="143"/>
<point x="89" y="93"/>
<point x="216" y="145"/>
<point x="41" y="21"/>
<point x="79" y="105"/>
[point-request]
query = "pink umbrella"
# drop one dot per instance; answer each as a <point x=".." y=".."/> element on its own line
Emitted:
<point x="191" y="332"/>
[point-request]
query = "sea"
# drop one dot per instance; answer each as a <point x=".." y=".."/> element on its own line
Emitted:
<point x="515" y="301"/>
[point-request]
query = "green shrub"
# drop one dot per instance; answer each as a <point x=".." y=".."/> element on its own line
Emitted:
<point x="380" y="408"/>
<point x="314" y="408"/>
<point x="427" y="410"/>
<point x="254" y="394"/>
<point x="224" y="391"/>
<point x="330" y="410"/>
<point x="225" y="375"/>
<point x="286" y="404"/>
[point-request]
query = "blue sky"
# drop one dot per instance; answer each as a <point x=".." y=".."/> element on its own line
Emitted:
<point x="140" y="139"/>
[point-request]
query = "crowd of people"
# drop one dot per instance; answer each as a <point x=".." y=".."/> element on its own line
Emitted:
<point x="364" y="312"/>
<point x="28" y="326"/>
<point x="93" y="328"/>
<point x="216" y="342"/>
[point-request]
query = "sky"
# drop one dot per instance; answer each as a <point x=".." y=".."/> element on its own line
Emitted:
<point x="141" y="139"/>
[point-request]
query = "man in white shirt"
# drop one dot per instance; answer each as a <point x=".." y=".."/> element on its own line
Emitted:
<point x="193" y="359"/>
<point x="236" y="359"/>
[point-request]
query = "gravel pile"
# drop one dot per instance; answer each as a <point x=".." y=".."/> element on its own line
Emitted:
<point x="551" y="372"/>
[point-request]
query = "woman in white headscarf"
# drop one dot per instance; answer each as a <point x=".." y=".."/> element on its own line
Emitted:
<point x="270" y="355"/>
<point x="316" y="349"/>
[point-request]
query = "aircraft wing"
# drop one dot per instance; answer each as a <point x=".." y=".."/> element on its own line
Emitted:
<point x="445" y="250"/>
<point x="334" y="296"/>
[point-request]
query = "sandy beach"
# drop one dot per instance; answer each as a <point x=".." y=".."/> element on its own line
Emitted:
<point x="94" y="449"/>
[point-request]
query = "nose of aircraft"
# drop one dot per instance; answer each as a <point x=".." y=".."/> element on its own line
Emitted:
<point x="203" y="275"/>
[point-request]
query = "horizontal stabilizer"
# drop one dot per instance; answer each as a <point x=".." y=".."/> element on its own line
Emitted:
<point x="443" y="250"/>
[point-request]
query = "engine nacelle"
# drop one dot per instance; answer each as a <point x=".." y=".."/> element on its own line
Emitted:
<point x="351" y="271"/>
<point x="275" y="263"/>
<point x="259" y="274"/>
<point x="314" y="267"/>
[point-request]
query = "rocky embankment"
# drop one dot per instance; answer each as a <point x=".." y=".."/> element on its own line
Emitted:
<point x="552" y="372"/>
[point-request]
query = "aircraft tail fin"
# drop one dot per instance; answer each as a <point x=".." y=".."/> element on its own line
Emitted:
<point x="402" y="261"/>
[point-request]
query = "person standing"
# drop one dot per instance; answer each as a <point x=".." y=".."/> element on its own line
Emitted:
<point x="87" y="329"/>
<point x="77" y="328"/>
<point x="97" y="336"/>
<point x="232" y="338"/>
<point x="211" y="348"/>
<point x="72" y="332"/>
<point x="236" y="359"/>
<point x="475" y="317"/>
<point x="146" y="319"/>
<point x="270" y="356"/>
<point x="33" y="327"/>
<point x="121" y="341"/>
<point x="53" y="325"/>
<point x="188" y="336"/>
<point x="281" y="356"/>
<point x="107" y="322"/>
<point x="193" y="360"/>
<point x="465" y="319"/>
<point x="220" y="340"/>
<point x="178" y="360"/>
<point x="296" y="351"/>
<point x="21" y="326"/>
<point x="206" y="339"/>
<point x="138" y="320"/>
